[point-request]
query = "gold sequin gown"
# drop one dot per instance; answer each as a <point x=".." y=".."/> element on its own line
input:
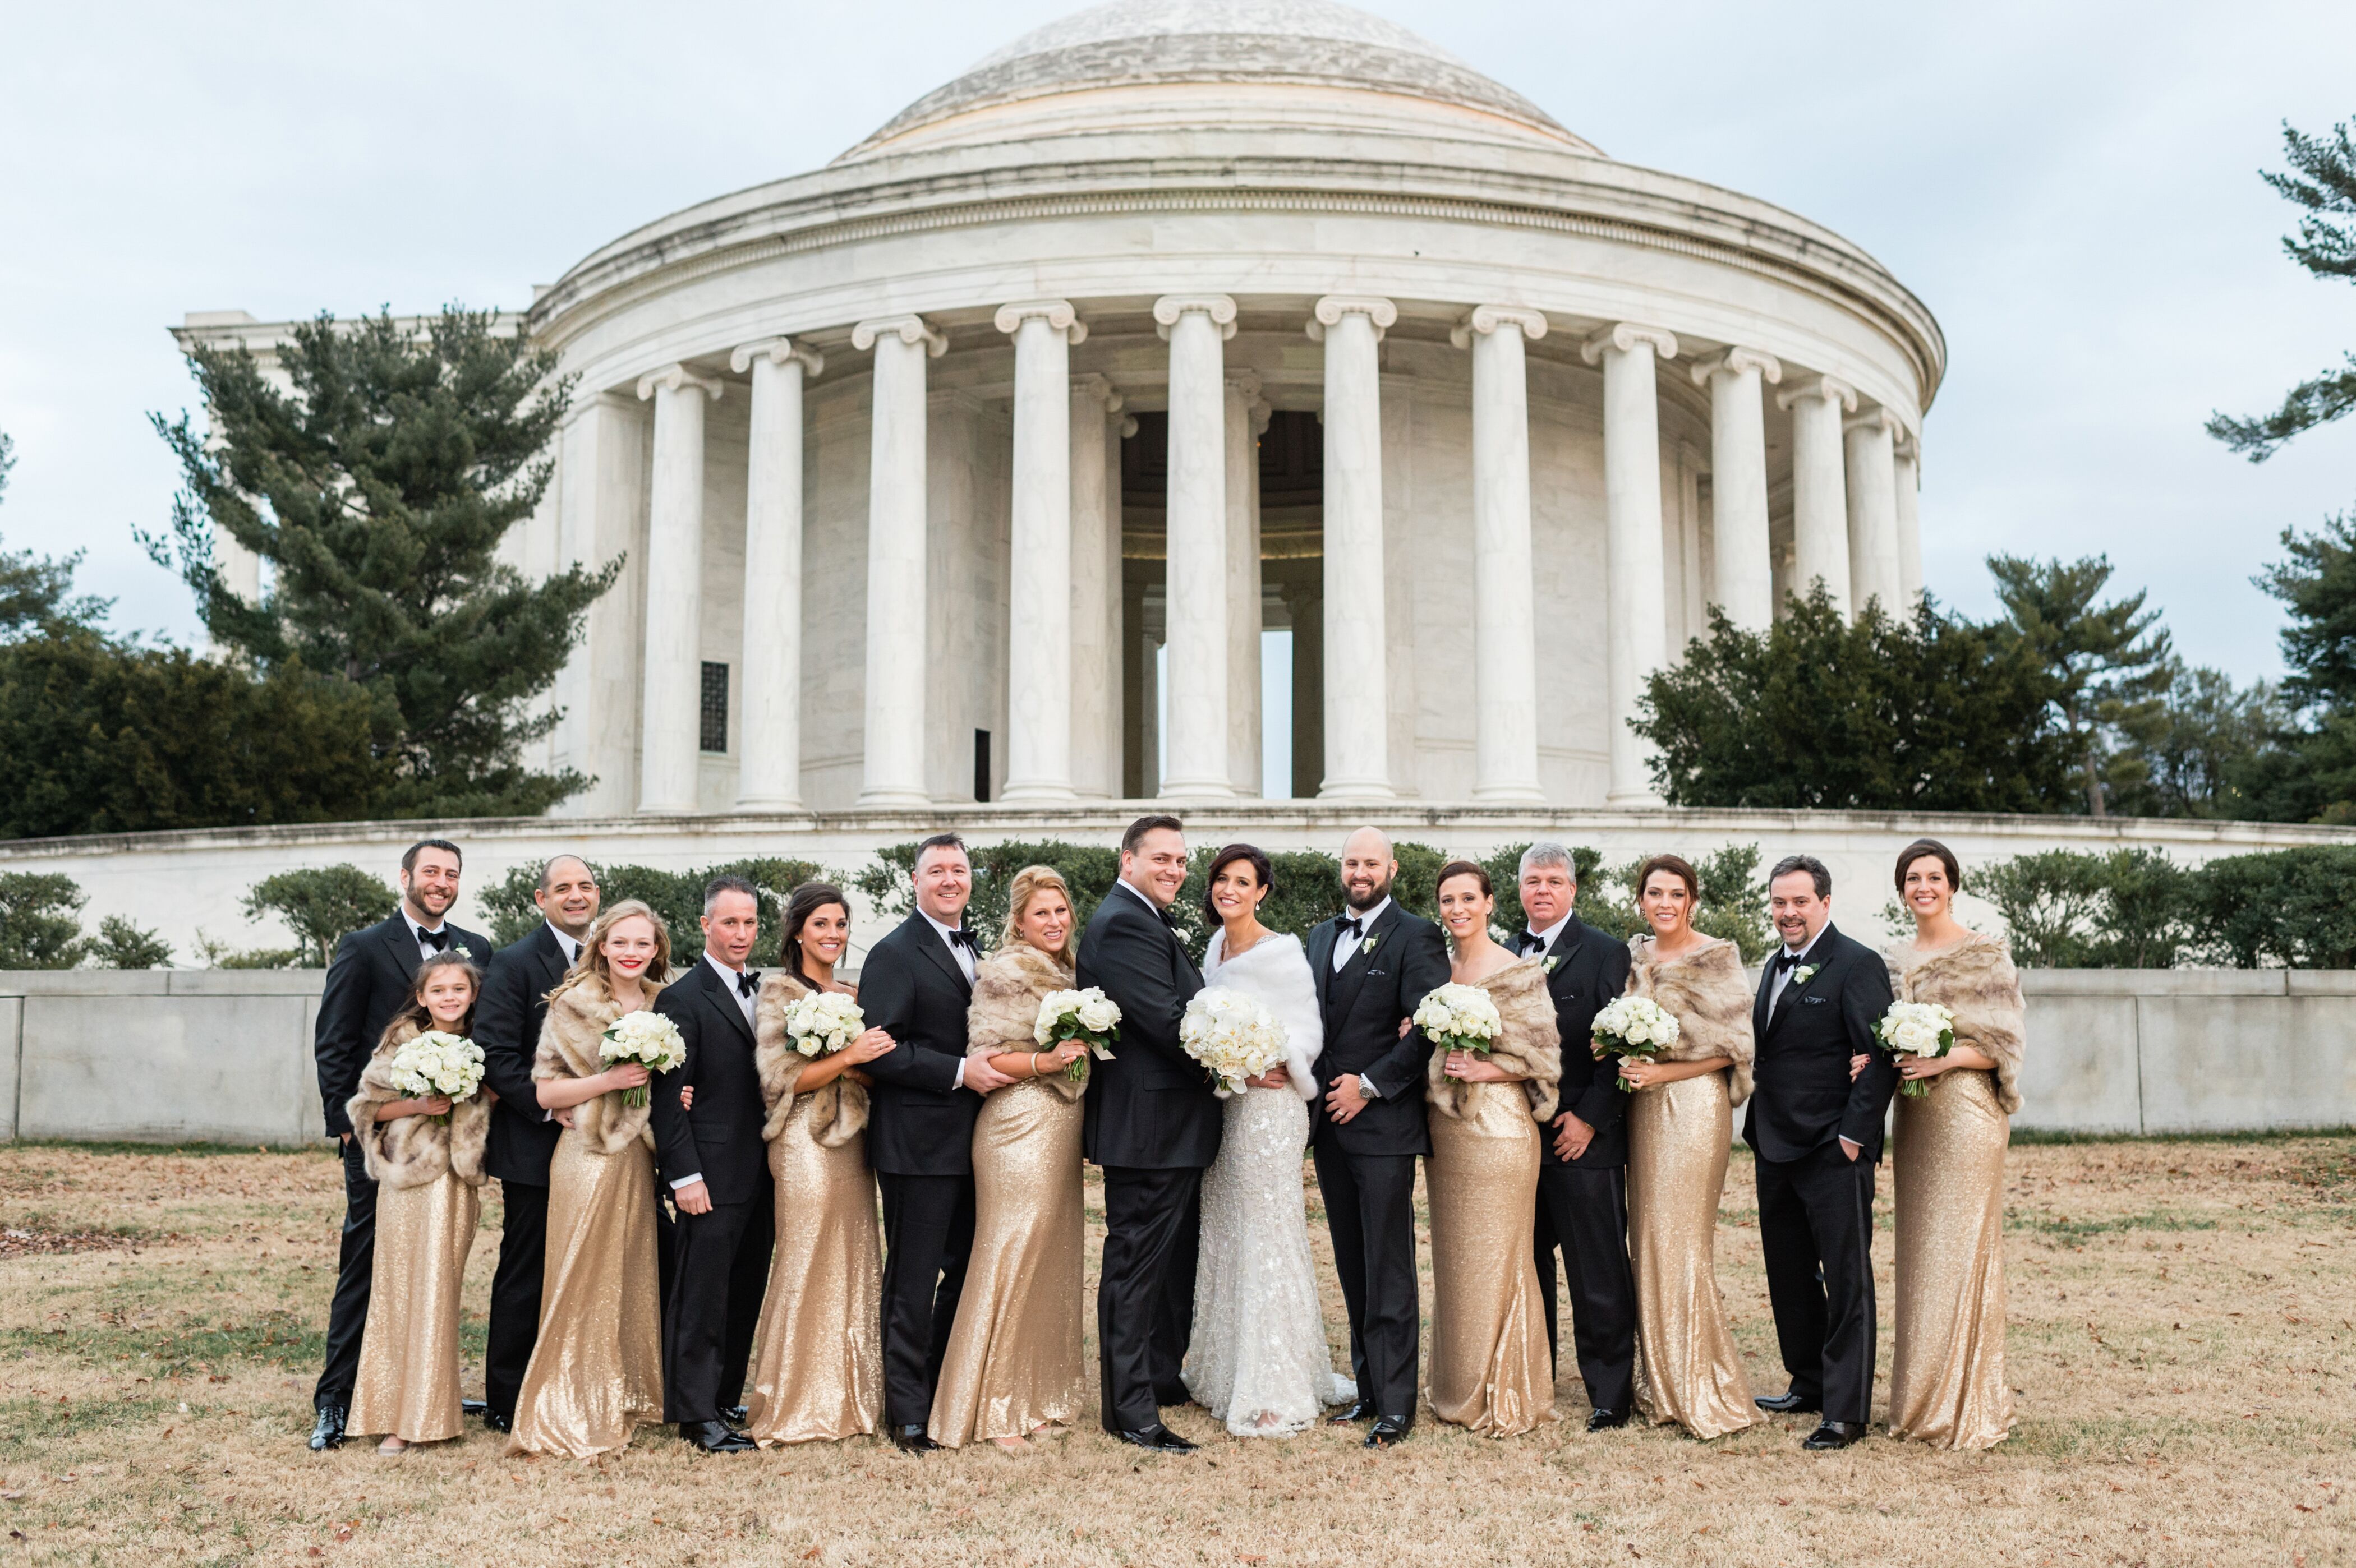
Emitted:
<point x="818" y="1366"/>
<point x="1947" y="1383"/>
<point x="407" y="1383"/>
<point x="1014" y="1361"/>
<point x="1687" y="1370"/>
<point x="1490" y="1367"/>
<point x="596" y="1373"/>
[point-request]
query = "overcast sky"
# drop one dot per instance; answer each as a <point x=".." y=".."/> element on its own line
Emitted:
<point x="2071" y="188"/>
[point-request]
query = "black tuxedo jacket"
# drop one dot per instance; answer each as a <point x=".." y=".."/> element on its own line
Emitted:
<point x="1153" y="1107"/>
<point x="1403" y="960"/>
<point x="507" y="1019"/>
<point x="919" y="1122"/>
<point x="368" y="983"/>
<point x="721" y="1139"/>
<point x="1590" y="969"/>
<point x="1801" y="1096"/>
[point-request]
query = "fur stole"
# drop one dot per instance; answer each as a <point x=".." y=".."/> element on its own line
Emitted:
<point x="838" y="1111"/>
<point x="1706" y="991"/>
<point x="1974" y="980"/>
<point x="414" y="1151"/>
<point x="578" y="1013"/>
<point x="1275" y="971"/>
<point x="1008" y="988"/>
<point x="1529" y="1043"/>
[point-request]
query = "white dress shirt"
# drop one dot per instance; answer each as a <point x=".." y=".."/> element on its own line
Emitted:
<point x="1346" y="944"/>
<point x="728" y="978"/>
<point x="962" y="956"/>
<point x="565" y="944"/>
<point x="420" y="933"/>
<point x="1784" y="976"/>
<point x="1548" y="937"/>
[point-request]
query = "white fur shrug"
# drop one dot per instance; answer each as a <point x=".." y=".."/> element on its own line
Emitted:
<point x="414" y="1151"/>
<point x="1529" y="1045"/>
<point x="1275" y="971"/>
<point x="578" y="1013"/>
<point x="1974" y="980"/>
<point x="1008" y="988"/>
<point x="1706" y="991"/>
<point x="838" y="1111"/>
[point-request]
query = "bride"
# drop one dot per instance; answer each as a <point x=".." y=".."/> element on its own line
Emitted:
<point x="1259" y="1361"/>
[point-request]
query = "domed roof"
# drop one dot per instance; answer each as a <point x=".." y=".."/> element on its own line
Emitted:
<point x="1103" y="55"/>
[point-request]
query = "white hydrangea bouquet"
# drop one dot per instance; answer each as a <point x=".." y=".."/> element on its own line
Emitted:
<point x="822" y="1022"/>
<point x="646" y="1038"/>
<point x="1087" y="1015"/>
<point x="1917" y="1028"/>
<point x="1459" y="1018"/>
<point x="1636" y="1027"/>
<point x="438" y="1063"/>
<point x="1232" y="1035"/>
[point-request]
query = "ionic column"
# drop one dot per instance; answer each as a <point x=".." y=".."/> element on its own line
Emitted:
<point x="1096" y="590"/>
<point x="1039" y="596"/>
<point x="1873" y="510"/>
<point x="896" y="617"/>
<point x="1819" y="499"/>
<point x="1635" y="583"/>
<point x="1738" y="467"/>
<point x="670" y="694"/>
<point x="1243" y="412"/>
<point x="1357" y="703"/>
<point x="1906" y="468"/>
<point x="769" y="757"/>
<point x="1194" y="762"/>
<point x="1504" y="620"/>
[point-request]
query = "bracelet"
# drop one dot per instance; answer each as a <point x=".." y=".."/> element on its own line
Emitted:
<point x="1035" y="1065"/>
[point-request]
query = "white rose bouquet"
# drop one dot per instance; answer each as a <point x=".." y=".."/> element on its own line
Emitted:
<point x="1232" y="1035"/>
<point x="438" y="1063"/>
<point x="1917" y="1028"/>
<point x="1459" y="1018"/>
<point x="646" y="1038"/>
<point x="1088" y="1015"/>
<point x="823" y="1022"/>
<point x="1636" y="1027"/>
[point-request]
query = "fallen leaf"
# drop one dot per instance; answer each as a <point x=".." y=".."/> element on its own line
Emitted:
<point x="811" y="1554"/>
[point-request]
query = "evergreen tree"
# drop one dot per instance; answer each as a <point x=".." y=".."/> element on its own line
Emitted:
<point x="2313" y="778"/>
<point x="37" y="591"/>
<point x="322" y="905"/>
<point x="2110" y="664"/>
<point x="2207" y="749"/>
<point x="379" y="492"/>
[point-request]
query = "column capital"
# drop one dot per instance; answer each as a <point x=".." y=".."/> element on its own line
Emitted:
<point x="909" y="329"/>
<point x="1485" y="319"/>
<point x="1057" y="314"/>
<point x="671" y="378"/>
<point x="1908" y="447"/>
<point x="1830" y="387"/>
<point x="1623" y="335"/>
<point x="1128" y="426"/>
<point x="1220" y="308"/>
<point x="1261" y="411"/>
<point x="1329" y="312"/>
<point x="1243" y="381"/>
<point x="779" y="351"/>
<point x="1875" y="417"/>
<point x="1737" y="360"/>
<point x="1095" y="387"/>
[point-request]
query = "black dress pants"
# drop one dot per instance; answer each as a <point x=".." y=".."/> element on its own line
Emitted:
<point x="1370" y="1212"/>
<point x="1145" y="1292"/>
<point x="1584" y="1213"/>
<point x="354" y="1267"/>
<point x="1816" y="1213"/>
<point x="719" y="1268"/>
<point x="927" y="1239"/>
<point x="515" y="1295"/>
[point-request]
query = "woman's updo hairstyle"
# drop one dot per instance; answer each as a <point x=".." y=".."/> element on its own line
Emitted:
<point x="1929" y="849"/>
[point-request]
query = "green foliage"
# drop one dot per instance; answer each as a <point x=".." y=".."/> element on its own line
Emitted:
<point x="2108" y="664"/>
<point x="2209" y="750"/>
<point x="40" y="925"/>
<point x="216" y="955"/>
<point x="321" y="905"/>
<point x="378" y="490"/>
<point x="37" y="591"/>
<point x="676" y="896"/>
<point x="2071" y="908"/>
<point x="2289" y="909"/>
<point x="121" y="945"/>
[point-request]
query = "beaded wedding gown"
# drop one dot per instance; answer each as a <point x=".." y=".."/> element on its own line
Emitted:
<point x="1259" y="1361"/>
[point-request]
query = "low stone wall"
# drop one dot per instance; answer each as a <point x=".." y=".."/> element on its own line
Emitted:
<point x="224" y="1056"/>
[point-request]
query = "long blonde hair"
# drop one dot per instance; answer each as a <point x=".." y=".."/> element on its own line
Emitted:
<point x="1029" y="883"/>
<point x="593" y="963"/>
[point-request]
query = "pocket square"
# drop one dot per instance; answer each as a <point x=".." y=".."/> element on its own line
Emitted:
<point x="1807" y="1002"/>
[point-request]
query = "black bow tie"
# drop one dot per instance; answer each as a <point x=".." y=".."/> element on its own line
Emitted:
<point x="747" y="982"/>
<point x="1785" y="960"/>
<point x="1532" y="942"/>
<point x="437" y="940"/>
<point x="963" y="938"/>
<point x="1351" y="926"/>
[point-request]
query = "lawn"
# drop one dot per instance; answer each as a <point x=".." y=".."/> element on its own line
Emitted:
<point x="2181" y="1342"/>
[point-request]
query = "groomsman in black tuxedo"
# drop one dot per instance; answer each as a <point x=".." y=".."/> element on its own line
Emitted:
<point x="1817" y="1136"/>
<point x="1584" y="1167"/>
<point x="507" y="1019"/>
<point x="1371" y="963"/>
<point x="1152" y="1122"/>
<point x="368" y="982"/>
<point x="717" y="1168"/>
<point x="915" y="987"/>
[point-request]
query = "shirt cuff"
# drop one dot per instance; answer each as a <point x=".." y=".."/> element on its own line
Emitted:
<point x="959" y="1081"/>
<point x="1367" y="1090"/>
<point x="686" y="1181"/>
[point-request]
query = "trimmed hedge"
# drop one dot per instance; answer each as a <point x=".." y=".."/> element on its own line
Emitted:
<point x="2137" y="909"/>
<point x="676" y="896"/>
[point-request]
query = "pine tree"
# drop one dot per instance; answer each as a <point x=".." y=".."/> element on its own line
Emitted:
<point x="2110" y="663"/>
<point x="2313" y="777"/>
<point x="37" y="591"/>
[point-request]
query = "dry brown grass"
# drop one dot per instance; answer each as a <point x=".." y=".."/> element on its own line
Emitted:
<point x="2181" y="1338"/>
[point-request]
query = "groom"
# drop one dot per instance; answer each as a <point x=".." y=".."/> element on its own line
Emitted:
<point x="1153" y="1122"/>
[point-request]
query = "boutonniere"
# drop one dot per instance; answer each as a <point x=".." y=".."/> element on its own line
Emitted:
<point x="1804" y="973"/>
<point x="1547" y="967"/>
<point x="1367" y="947"/>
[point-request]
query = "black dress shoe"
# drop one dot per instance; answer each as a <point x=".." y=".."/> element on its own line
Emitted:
<point x="494" y="1421"/>
<point x="1159" y="1438"/>
<point x="736" y="1415"/>
<point x="1792" y="1403"/>
<point x="1605" y="1420"/>
<point x="1386" y="1430"/>
<point x="1835" y="1434"/>
<point x="911" y="1440"/>
<point x="1353" y="1412"/>
<point x="328" y="1431"/>
<point x="714" y="1437"/>
<point x="471" y="1407"/>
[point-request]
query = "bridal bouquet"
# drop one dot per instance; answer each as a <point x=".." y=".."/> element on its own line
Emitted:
<point x="1635" y="1026"/>
<point x="1088" y="1015"/>
<point x="647" y="1038"/>
<point x="1232" y="1036"/>
<point x="438" y="1063"/>
<point x="823" y="1022"/>
<point x="1459" y="1018"/>
<point x="1917" y="1028"/>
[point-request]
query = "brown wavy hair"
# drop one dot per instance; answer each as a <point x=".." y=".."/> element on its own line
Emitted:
<point x="1027" y="884"/>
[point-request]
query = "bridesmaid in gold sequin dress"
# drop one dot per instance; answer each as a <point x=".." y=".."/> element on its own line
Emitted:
<point x="818" y="1374"/>
<point x="426" y="1156"/>
<point x="1013" y="1367"/>
<point x="1491" y="1370"/>
<point x="596" y="1375"/>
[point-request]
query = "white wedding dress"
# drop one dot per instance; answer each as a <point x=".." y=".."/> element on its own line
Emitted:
<point x="1259" y="1361"/>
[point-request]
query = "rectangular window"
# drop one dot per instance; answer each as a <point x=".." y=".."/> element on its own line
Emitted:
<point x="714" y="727"/>
<point x="981" y="766"/>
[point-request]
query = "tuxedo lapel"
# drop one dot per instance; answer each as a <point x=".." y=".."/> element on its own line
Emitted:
<point x="552" y="961"/>
<point x="400" y="940"/>
<point x="1759" y="1007"/>
<point x="928" y="940"/>
<point x="1816" y="958"/>
<point x="1320" y="961"/>
<point x="716" y="992"/>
